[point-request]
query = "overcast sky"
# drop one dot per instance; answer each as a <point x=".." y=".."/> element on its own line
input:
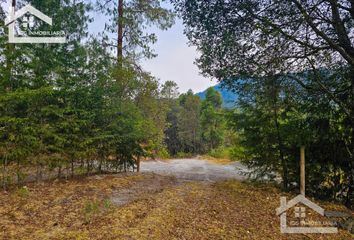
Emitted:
<point x="175" y="60"/>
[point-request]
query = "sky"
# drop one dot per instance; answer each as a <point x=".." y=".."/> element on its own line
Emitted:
<point x="175" y="60"/>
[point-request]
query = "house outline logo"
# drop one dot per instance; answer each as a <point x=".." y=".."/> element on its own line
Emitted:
<point x="11" y="19"/>
<point x="284" y="206"/>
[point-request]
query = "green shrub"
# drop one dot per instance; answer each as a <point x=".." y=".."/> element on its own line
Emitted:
<point x="163" y="154"/>
<point x="220" y="152"/>
<point x="107" y="203"/>
<point x="184" y="155"/>
<point x="23" y="192"/>
<point x="95" y="207"/>
<point x="91" y="208"/>
<point x="237" y="153"/>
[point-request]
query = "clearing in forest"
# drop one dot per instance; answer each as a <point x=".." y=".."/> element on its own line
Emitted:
<point x="146" y="206"/>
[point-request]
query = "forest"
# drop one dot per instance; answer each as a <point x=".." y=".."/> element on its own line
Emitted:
<point x="76" y="109"/>
<point x="291" y="63"/>
<point x="88" y="106"/>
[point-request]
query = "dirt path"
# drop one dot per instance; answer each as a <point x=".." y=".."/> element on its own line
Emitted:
<point x="178" y="199"/>
<point x="170" y="173"/>
<point x="150" y="185"/>
<point x="196" y="169"/>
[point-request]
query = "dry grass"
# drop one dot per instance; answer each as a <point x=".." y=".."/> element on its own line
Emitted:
<point x="212" y="160"/>
<point x="81" y="209"/>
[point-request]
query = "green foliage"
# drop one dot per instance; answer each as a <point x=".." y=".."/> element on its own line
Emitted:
<point x="164" y="154"/>
<point x="295" y="84"/>
<point x="220" y="152"/>
<point x="184" y="155"/>
<point x="23" y="192"/>
<point x="195" y="126"/>
<point x="107" y="204"/>
<point x="68" y="107"/>
<point x="188" y="124"/>
<point x="237" y="153"/>
<point x="137" y="15"/>
<point x="212" y="120"/>
<point x="91" y="208"/>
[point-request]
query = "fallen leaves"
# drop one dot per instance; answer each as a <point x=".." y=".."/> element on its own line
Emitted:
<point x="83" y="209"/>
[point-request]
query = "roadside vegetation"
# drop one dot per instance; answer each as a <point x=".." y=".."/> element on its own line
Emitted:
<point x="291" y="64"/>
<point x="199" y="127"/>
<point x="85" y="106"/>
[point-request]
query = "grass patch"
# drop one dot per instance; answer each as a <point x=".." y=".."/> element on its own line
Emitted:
<point x="23" y="192"/>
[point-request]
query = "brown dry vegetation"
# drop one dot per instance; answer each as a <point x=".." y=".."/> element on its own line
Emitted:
<point x="160" y="208"/>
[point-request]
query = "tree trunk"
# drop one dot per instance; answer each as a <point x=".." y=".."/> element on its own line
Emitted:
<point x="4" y="173"/>
<point x="284" y="165"/>
<point x="100" y="165"/>
<point x="67" y="172"/>
<point x="350" y="194"/>
<point x="59" y="172"/>
<point x="117" y="164"/>
<point x="18" y="172"/>
<point x="138" y="164"/>
<point x="37" y="173"/>
<point x="87" y="167"/>
<point x="281" y="153"/>
<point x="40" y="172"/>
<point x="72" y="168"/>
<point x="120" y="34"/>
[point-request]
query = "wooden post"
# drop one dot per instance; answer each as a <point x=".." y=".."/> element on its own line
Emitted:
<point x="302" y="170"/>
<point x="138" y="165"/>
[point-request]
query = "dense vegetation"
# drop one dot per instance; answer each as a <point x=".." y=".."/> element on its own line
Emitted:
<point x="196" y="126"/>
<point x="292" y="65"/>
<point x="87" y="106"/>
<point x="72" y="108"/>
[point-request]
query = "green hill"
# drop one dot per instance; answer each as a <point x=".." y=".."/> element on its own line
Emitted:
<point x="229" y="98"/>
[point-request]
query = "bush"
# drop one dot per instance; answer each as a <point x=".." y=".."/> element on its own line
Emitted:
<point x="220" y="152"/>
<point x="23" y="192"/>
<point x="91" y="208"/>
<point x="184" y="155"/>
<point x="237" y="153"/>
<point x="163" y="153"/>
<point x="95" y="207"/>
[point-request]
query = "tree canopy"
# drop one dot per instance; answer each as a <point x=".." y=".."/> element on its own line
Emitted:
<point x="291" y="62"/>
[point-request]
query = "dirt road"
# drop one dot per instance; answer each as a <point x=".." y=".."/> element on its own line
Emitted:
<point x="196" y="169"/>
<point x="176" y="199"/>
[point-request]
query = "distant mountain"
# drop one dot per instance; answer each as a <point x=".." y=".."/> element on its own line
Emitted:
<point x="228" y="97"/>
